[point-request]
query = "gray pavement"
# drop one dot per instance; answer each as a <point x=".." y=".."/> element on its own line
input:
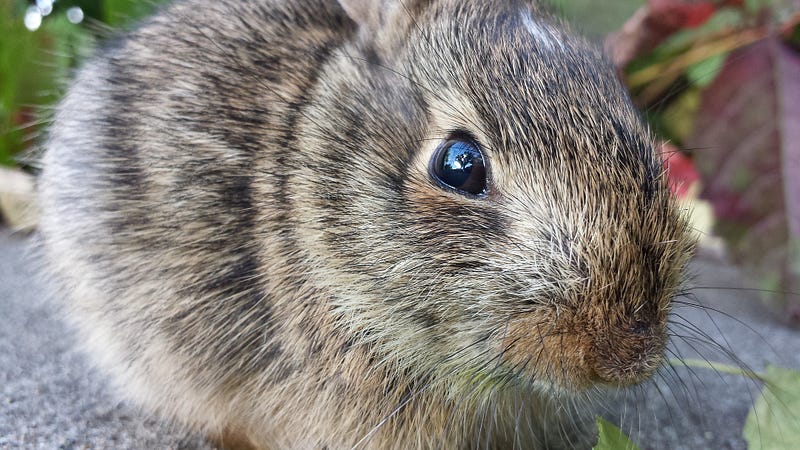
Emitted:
<point x="51" y="399"/>
<point x="700" y="408"/>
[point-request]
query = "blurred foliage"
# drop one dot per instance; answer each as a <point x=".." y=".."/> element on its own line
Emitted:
<point x="668" y="80"/>
<point x="36" y="64"/>
<point x="721" y="79"/>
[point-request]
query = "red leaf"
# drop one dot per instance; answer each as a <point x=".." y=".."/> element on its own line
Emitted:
<point x="699" y="14"/>
<point x="668" y="14"/>
<point x="747" y="138"/>
<point x="681" y="173"/>
<point x="680" y="14"/>
<point x="653" y="23"/>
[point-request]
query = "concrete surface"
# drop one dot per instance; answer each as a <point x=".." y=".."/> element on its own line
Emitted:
<point x="691" y="408"/>
<point x="51" y="399"/>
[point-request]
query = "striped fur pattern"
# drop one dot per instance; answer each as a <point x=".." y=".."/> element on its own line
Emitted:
<point x="237" y="202"/>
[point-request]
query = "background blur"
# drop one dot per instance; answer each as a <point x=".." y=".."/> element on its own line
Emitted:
<point x="40" y="44"/>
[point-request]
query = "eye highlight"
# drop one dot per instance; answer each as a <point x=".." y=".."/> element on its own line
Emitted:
<point x="458" y="164"/>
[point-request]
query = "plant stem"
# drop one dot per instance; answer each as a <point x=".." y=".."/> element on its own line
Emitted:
<point x="719" y="367"/>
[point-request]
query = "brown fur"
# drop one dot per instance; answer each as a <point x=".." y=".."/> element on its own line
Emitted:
<point x="236" y="198"/>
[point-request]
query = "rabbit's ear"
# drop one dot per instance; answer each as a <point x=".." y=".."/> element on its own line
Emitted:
<point x="373" y="15"/>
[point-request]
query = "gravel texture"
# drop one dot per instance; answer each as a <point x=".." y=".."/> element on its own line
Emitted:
<point x="51" y="399"/>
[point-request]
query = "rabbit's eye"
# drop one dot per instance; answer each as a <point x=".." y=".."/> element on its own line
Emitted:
<point x="458" y="164"/>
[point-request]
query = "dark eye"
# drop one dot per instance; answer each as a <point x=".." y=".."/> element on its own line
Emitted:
<point x="459" y="164"/>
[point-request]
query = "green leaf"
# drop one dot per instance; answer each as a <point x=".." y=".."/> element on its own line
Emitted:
<point x="18" y="48"/>
<point x="725" y="18"/>
<point x="611" y="438"/>
<point x="755" y="6"/>
<point x="704" y="72"/>
<point x="774" y="420"/>
<point x="120" y="12"/>
<point x="33" y="68"/>
<point x="677" y="120"/>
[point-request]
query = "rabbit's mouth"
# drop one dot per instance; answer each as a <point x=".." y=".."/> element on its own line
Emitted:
<point x="565" y="352"/>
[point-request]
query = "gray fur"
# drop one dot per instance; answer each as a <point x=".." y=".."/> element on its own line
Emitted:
<point x="236" y="199"/>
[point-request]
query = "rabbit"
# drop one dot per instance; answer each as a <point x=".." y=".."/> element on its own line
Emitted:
<point x="361" y="223"/>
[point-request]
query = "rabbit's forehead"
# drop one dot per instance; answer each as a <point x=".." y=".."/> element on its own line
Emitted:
<point x="544" y="34"/>
<point x="537" y="94"/>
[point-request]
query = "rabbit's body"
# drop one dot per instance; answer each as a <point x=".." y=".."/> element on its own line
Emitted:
<point x="237" y="198"/>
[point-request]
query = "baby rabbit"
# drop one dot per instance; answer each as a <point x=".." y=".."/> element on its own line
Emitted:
<point x="361" y="223"/>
